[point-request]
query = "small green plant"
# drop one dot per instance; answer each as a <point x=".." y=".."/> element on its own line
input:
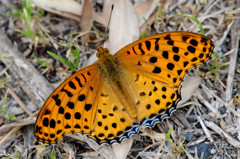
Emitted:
<point x="4" y="109"/>
<point x="216" y="66"/>
<point x="43" y="63"/>
<point x="73" y="62"/>
<point x="5" y="55"/>
<point x="159" y="15"/>
<point x="160" y="11"/>
<point x="40" y="149"/>
<point x="52" y="155"/>
<point x="16" y="153"/>
<point x="173" y="145"/>
<point x="28" y="18"/>
<point x="146" y="29"/>
<point x="98" y="31"/>
<point x="3" y="82"/>
<point x="6" y="156"/>
<point x="195" y="20"/>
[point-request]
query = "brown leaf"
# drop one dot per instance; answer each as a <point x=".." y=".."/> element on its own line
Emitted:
<point x="124" y="28"/>
<point x="121" y="151"/>
<point x="66" y="8"/>
<point x="189" y="86"/>
<point x="87" y="16"/>
<point x="148" y="11"/>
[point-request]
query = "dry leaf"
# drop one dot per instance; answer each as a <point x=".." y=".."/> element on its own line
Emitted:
<point x="123" y="28"/>
<point x="121" y="151"/>
<point x="87" y="16"/>
<point x="104" y="150"/>
<point x="146" y="10"/>
<point x="153" y="134"/>
<point x="66" y="8"/>
<point x="189" y="86"/>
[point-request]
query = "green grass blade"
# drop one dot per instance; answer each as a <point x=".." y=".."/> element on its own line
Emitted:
<point x="68" y="63"/>
<point x="146" y="29"/>
<point x="195" y="20"/>
<point x="43" y="63"/>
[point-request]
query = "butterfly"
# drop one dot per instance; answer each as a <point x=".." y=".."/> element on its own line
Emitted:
<point x="138" y="86"/>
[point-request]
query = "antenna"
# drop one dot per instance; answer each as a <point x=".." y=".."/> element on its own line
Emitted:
<point x="107" y="28"/>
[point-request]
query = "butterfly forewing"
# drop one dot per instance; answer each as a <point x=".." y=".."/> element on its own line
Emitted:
<point x="167" y="57"/>
<point x="68" y="107"/>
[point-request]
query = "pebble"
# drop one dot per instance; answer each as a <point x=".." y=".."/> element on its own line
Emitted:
<point x="189" y="136"/>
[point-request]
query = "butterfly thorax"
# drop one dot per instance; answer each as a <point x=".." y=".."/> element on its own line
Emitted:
<point x="108" y="65"/>
<point x="113" y="74"/>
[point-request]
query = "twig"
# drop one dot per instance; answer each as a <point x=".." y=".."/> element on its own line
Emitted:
<point x="19" y="101"/>
<point x="206" y="131"/>
<point x="207" y="104"/>
<point x="219" y="131"/>
<point x="8" y="136"/>
<point x="207" y="90"/>
<point x="19" y="123"/>
<point x="223" y="38"/>
<point x="233" y="57"/>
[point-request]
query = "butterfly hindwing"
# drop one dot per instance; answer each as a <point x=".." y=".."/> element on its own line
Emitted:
<point x="112" y="118"/>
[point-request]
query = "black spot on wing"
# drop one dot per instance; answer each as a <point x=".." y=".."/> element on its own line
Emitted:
<point x="72" y="85"/>
<point x="193" y="42"/>
<point x="88" y="107"/>
<point x="185" y="38"/>
<point x="153" y="59"/>
<point x="168" y="37"/>
<point x="170" y="42"/>
<point x="175" y="49"/>
<point x="148" y="45"/>
<point x="156" y="70"/>
<point x="170" y="66"/>
<point x="69" y="94"/>
<point x="191" y="49"/>
<point x="79" y="82"/>
<point x="156" y="44"/>
<point x="140" y="48"/>
<point x="176" y="58"/>
<point x="165" y="54"/>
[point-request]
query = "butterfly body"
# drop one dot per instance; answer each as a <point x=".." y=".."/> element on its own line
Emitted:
<point x="114" y="76"/>
<point x="138" y="86"/>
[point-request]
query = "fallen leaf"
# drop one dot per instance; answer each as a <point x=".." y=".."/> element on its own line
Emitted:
<point x="121" y="151"/>
<point x="189" y="86"/>
<point x="66" y="8"/>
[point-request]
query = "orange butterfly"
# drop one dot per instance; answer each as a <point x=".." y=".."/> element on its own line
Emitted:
<point x="138" y="86"/>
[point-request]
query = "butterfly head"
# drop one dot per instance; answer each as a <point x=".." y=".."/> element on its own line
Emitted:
<point x="101" y="51"/>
